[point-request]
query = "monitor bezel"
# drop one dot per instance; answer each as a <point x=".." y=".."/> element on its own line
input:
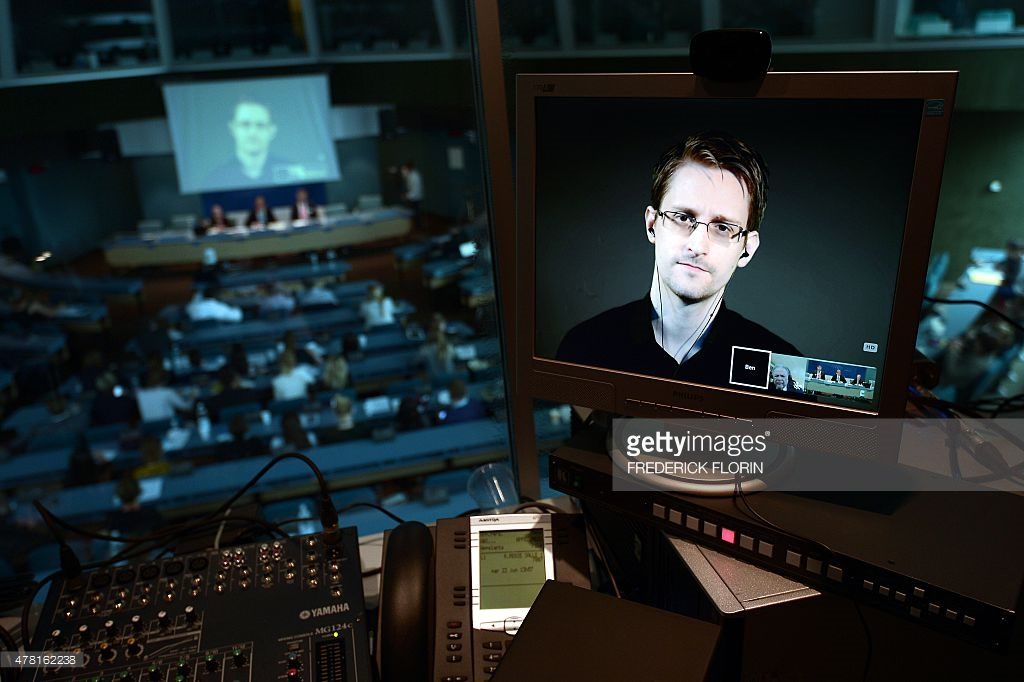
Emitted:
<point x="624" y="393"/>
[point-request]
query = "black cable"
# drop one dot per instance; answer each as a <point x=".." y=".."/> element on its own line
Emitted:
<point x="742" y="496"/>
<point x="7" y="640"/>
<point x="982" y="304"/>
<point x="867" y="636"/>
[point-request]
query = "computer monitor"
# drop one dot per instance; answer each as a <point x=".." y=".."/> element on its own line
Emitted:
<point x="686" y="248"/>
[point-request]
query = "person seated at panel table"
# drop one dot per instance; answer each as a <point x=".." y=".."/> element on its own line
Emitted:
<point x="378" y="309"/>
<point x="838" y="377"/>
<point x="131" y="519"/>
<point x="463" y="407"/>
<point x="277" y="301"/>
<point x="303" y="208"/>
<point x="156" y="401"/>
<point x="206" y="306"/>
<point x="260" y="216"/>
<point x="293" y="435"/>
<point x="819" y="373"/>
<point x="218" y="221"/>
<point x="294" y="380"/>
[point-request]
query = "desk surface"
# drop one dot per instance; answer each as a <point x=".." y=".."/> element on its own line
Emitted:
<point x="287" y="273"/>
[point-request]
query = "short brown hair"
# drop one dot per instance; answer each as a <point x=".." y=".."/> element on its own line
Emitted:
<point x="716" y="150"/>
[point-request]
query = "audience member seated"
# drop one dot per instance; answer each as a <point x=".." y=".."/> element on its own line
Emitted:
<point x="411" y="415"/>
<point x="83" y="467"/>
<point x="969" y="358"/>
<point x="276" y="300"/>
<point x="311" y="352"/>
<point x="156" y="401"/>
<point x="438" y="356"/>
<point x="131" y="519"/>
<point x="260" y="215"/>
<point x="294" y="380"/>
<point x="208" y="307"/>
<point x="335" y="373"/>
<point x="293" y="435"/>
<point x="346" y="428"/>
<point x="111" y="404"/>
<point x="317" y="295"/>
<point x="218" y="220"/>
<point x="153" y="462"/>
<point x="238" y="360"/>
<point x="241" y="443"/>
<point x="303" y="208"/>
<point x="462" y="408"/>
<point x="234" y="390"/>
<point x="378" y="309"/>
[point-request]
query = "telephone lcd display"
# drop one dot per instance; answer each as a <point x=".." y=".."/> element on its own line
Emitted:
<point x="511" y="568"/>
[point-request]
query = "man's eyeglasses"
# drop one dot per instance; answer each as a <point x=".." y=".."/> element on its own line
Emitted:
<point x="718" y="232"/>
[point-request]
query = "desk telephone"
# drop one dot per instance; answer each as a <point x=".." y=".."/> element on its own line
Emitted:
<point x="452" y="597"/>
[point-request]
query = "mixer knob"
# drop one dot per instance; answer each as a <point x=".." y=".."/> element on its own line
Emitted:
<point x="163" y="619"/>
<point x="238" y="657"/>
<point x="72" y="603"/>
<point x="169" y="597"/>
<point x="84" y="633"/>
<point x="245" y="572"/>
<point x="134" y="648"/>
<point x="190" y="614"/>
<point x="108" y="624"/>
<point x="244" y="584"/>
<point x="154" y="673"/>
<point x="144" y="600"/>
<point x="212" y="664"/>
<point x="106" y="653"/>
<point x="183" y="668"/>
<point x="58" y="638"/>
<point x="69" y="614"/>
<point x="218" y="588"/>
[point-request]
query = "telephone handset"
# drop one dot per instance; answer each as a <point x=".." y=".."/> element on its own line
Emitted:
<point x="483" y="574"/>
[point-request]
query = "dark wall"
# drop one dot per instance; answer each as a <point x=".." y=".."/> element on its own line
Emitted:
<point x="983" y="146"/>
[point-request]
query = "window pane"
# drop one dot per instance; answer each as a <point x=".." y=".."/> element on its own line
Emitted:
<point x="64" y="35"/>
<point x="822" y="20"/>
<point x="377" y="25"/>
<point x="635" y="23"/>
<point x="221" y="30"/>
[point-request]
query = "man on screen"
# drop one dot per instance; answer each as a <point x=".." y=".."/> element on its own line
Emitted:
<point x="253" y="129"/>
<point x="708" y="198"/>
<point x="782" y="381"/>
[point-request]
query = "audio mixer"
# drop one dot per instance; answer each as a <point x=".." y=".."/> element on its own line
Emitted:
<point x="289" y="610"/>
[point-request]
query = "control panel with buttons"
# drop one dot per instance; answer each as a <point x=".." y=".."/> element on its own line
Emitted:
<point x="249" y="613"/>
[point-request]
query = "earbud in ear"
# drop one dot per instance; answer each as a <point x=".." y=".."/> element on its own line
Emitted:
<point x="745" y="255"/>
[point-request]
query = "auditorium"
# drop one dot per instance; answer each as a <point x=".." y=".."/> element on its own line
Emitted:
<point x="232" y="231"/>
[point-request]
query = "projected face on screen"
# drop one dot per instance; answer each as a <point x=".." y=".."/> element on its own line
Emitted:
<point x="722" y="290"/>
<point x="253" y="131"/>
<point x="251" y="134"/>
